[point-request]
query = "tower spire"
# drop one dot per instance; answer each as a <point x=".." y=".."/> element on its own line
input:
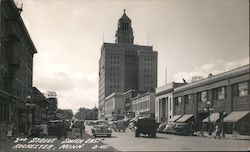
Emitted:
<point x="124" y="33"/>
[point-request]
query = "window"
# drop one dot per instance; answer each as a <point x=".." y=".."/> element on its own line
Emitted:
<point x="169" y="104"/>
<point x="190" y="99"/>
<point x="199" y="96"/>
<point x="176" y="101"/>
<point x="219" y="93"/>
<point x="179" y="100"/>
<point x="243" y="89"/>
<point x="186" y="100"/>
<point x="204" y="96"/>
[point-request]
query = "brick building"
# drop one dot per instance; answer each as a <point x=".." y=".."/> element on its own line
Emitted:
<point x="16" y="68"/>
<point x="124" y="66"/>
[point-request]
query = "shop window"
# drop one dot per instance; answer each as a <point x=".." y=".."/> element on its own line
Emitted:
<point x="204" y="96"/>
<point x="179" y="100"/>
<point x="243" y="89"/>
<point x="221" y="93"/>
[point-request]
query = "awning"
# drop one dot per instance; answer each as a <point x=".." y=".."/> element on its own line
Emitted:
<point x="214" y="117"/>
<point x="185" y="118"/>
<point x="235" y="116"/>
<point x="175" y="117"/>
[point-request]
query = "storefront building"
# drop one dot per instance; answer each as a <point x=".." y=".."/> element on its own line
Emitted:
<point x="222" y="98"/>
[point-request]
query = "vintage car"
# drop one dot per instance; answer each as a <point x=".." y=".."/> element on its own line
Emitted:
<point x="183" y="129"/>
<point x="119" y="125"/>
<point x="146" y="126"/>
<point x="53" y="126"/>
<point x="101" y="128"/>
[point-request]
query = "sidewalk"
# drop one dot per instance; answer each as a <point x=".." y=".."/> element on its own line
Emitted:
<point x="227" y="136"/>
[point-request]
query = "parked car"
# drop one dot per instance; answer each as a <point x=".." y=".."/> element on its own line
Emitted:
<point x="53" y="126"/>
<point x="161" y="127"/>
<point x="78" y="128"/>
<point x="119" y="125"/>
<point x="169" y="129"/>
<point x="101" y="127"/>
<point x="146" y="126"/>
<point x="183" y="129"/>
<point x="41" y="130"/>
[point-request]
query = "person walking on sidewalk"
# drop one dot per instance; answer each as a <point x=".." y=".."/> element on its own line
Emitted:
<point x="217" y="132"/>
<point x="9" y="131"/>
<point x="235" y="130"/>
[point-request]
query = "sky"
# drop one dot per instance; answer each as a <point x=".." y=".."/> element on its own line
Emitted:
<point x="192" y="37"/>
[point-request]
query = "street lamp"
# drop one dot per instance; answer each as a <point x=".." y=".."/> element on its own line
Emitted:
<point x="209" y="109"/>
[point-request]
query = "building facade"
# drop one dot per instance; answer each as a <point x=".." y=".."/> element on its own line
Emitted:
<point x="40" y="109"/>
<point x="16" y="68"/>
<point x="164" y="101"/>
<point x="144" y="105"/>
<point x="114" y="105"/>
<point x="124" y="66"/>
<point x="225" y="94"/>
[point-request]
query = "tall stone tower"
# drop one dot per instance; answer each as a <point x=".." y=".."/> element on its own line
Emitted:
<point x="124" y="33"/>
<point x="124" y="66"/>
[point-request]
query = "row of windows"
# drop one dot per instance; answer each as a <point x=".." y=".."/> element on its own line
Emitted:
<point x="148" y="59"/>
<point x="114" y="80"/>
<point x="114" y="68"/>
<point x="148" y="64"/>
<point x="114" y="62"/>
<point x="141" y="106"/>
<point x="148" y="76"/>
<point x="148" y="81"/>
<point x="114" y="86"/>
<point x="114" y="57"/>
<point x="114" y="74"/>
<point x="239" y="89"/>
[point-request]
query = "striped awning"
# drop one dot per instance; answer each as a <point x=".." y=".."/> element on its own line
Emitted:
<point x="236" y="116"/>
<point x="185" y="118"/>
<point x="175" y="117"/>
<point x="214" y="117"/>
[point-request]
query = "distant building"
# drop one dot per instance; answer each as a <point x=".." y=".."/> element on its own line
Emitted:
<point x="114" y="105"/>
<point x="124" y="66"/>
<point x="144" y="104"/>
<point x="227" y="93"/>
<point x="40" y="109"/>
<point x="164" y="101"/>
<point x="16" y="69"/>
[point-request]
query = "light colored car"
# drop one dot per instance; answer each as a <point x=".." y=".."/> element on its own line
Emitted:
<point x="101" y="128"/>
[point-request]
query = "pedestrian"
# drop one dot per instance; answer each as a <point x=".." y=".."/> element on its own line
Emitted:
<point x="217" y="132"/>
<point x="81" y="128"/>
<point x="64" y="130"/>
<point x="9" y="131"/>
<point x="59" y="131"/>
<point x="235" y="131"/>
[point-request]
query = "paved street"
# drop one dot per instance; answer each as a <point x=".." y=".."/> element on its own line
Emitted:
<point x="125" y="141"/>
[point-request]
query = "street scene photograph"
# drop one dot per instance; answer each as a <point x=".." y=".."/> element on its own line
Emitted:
<point x="124" y="75"/>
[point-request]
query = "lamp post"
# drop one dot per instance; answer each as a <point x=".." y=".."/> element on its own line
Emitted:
<point x="209" y="109"/>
